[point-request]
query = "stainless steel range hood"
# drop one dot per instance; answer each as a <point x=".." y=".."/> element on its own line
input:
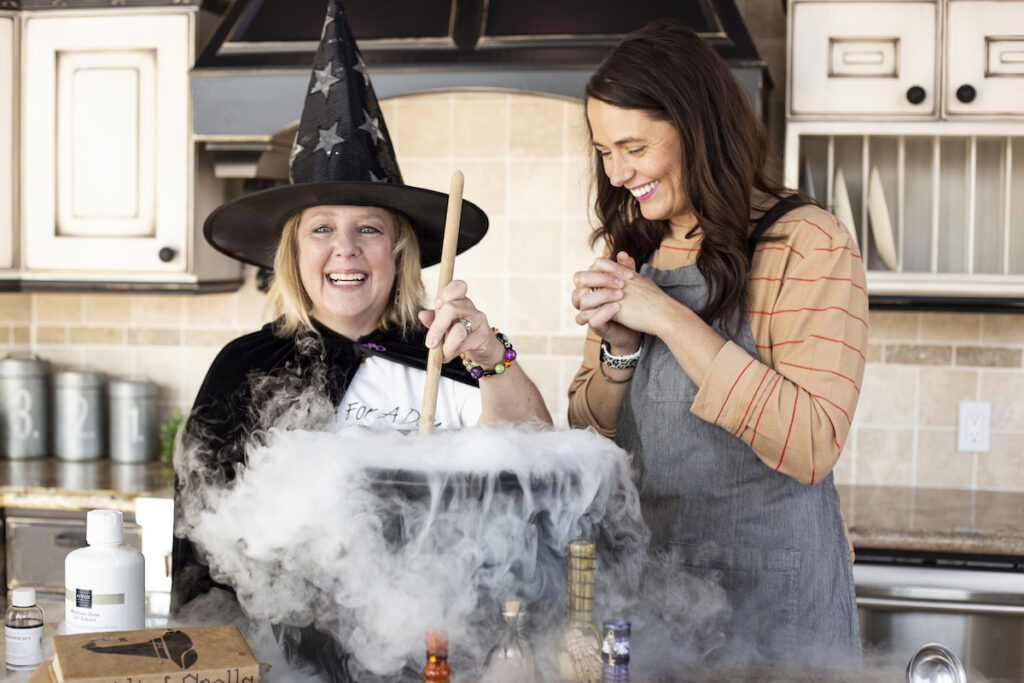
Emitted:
<point x="250" y="76"/>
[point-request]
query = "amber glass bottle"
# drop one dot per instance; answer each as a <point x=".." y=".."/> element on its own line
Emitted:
<point x="437" y="657"/>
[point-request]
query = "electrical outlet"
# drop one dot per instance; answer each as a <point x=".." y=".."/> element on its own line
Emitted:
<point x="974" y="425"/>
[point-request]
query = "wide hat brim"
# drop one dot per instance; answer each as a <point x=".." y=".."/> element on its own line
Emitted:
<point x="249" y="228"/>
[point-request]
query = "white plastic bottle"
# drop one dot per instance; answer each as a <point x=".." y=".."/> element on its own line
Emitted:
<point x="104" y="584"/>
<point x="23" y="627"/>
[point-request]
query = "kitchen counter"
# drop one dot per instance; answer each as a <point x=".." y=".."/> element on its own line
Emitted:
<point x="934" y="520"/>
<point x="52" y="484"/>
<point x="878" y="517"/>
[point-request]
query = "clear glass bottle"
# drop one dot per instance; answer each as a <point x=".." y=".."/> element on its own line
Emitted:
<point x="23" y="628"/>
<point x="580" y="655"/>
<point x="511" y="659"/>
<point x="437" y="668"/>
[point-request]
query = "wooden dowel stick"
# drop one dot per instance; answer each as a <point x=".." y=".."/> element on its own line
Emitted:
<point x="448" y="247"/>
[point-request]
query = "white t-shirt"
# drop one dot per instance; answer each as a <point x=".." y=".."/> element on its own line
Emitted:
<point x="388" y="395"/>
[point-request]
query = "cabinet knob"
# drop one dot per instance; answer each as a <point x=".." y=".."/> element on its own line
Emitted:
<point x="966" y="93"/>
<point x="167" y="254"/>
<point x="915" y="94"/>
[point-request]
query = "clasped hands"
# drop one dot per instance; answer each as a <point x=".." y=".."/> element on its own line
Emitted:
<point x="617" y="302"/>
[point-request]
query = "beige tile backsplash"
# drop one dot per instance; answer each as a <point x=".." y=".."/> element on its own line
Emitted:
<point x="526" y="163"/>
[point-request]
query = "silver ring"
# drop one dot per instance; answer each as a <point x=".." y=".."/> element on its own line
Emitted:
<point x="468" y="325"/>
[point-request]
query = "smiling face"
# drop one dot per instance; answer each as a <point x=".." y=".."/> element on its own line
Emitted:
<point x="644" y="155"/>
<point x="347" y="265"/>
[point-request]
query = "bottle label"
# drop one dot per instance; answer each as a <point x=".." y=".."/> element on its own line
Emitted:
<point x="24" y="647"/>
<point x="86" y="610"/>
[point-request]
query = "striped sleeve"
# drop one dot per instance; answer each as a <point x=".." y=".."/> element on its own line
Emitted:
<point x="580" y="414"/>
<point x="809" y="318"/>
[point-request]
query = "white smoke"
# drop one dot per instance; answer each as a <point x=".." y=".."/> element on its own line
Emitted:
<point x="377" y="537"/>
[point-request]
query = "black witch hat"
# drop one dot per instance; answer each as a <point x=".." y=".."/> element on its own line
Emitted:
<point x="342" y="155"/>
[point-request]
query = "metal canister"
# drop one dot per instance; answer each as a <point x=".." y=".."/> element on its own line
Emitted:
<point x="78" y="415"/>
<point x="133" y="421"/>
<point x="24" y="408"/>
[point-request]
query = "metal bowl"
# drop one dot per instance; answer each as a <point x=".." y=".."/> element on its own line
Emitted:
<point x="935" y="663"/>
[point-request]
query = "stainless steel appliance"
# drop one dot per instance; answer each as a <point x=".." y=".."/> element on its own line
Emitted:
<point x="38" y="541"/>
<point x="972" y="604"/>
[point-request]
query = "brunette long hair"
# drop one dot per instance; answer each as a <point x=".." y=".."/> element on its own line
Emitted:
<point x="673" y="75"/>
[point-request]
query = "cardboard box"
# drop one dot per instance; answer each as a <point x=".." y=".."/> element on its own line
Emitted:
<point x="44" y="674"/>
<point x="205" y="654"/>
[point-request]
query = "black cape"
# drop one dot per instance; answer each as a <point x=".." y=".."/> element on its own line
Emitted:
<point x="249" y="387"/>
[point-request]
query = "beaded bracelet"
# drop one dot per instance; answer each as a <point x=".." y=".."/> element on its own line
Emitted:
<point x="510" y="355"/>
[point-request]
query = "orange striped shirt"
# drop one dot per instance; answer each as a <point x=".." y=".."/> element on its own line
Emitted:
<point x="808" y="310"/>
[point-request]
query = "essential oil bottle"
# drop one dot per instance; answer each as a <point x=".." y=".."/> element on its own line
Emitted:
<point x="23" y="628"/>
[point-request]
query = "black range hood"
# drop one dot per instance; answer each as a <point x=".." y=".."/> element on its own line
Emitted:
<point x="250" y="74"/>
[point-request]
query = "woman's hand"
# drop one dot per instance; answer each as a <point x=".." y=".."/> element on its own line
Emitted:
<point x="599" y="295"/>
<point x="459" y="327"/>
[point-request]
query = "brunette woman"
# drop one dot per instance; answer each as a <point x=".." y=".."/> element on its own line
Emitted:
<point x="725" y="350"/>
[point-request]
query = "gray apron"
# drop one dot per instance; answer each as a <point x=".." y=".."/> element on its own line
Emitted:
<point x="776" y="546"/>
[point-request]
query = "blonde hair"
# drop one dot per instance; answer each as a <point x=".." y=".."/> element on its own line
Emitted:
<point x="289" y="303"/>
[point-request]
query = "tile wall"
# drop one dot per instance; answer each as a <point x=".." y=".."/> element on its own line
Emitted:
<point x="525" y="162"/>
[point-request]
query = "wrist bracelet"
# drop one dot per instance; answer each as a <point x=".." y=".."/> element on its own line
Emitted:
<point x="612" y="379"/>
<point x="508" y="356"/>
<point x="621" y="362"/>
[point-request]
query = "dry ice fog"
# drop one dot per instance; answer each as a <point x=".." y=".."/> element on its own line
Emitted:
<point x="378" y="536"/>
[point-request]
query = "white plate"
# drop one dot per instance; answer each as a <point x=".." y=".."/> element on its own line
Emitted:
<point x="881" y="226"/>
<point x="842" y="208"/>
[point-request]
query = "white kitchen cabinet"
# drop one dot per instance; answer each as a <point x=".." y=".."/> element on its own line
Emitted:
<point x="863" y="58"/>
<point x="984" y="60"/>
<point x="7" y="147"/>
<point x="108" y="167"/>
<point x="906" y="119"/>
<point x="907" y="58"/>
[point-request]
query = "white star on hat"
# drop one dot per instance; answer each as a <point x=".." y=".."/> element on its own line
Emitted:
<point x="360" y="66"/>
<point x="371" y="126"/>
<point x="329" y="138"/>
<point x="324" y="80"/>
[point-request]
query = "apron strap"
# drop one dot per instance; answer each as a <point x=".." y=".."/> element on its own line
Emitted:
<point x="781" y="208"/>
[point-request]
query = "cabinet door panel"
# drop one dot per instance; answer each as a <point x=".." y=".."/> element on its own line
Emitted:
<point x="106" y="143"/>
<point x="106" y="129"/>
<point x="863" y="58"/>
<point x="7" y="104"/>
<point x="985" y="52"/>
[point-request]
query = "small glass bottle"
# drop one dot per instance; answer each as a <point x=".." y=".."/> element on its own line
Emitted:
<point x="437" y="657"/>
<point x="580" y="656"/>
<point x="511" y="659"/>
<point x="615" y="651"/>
<point x="23" y="627"/>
